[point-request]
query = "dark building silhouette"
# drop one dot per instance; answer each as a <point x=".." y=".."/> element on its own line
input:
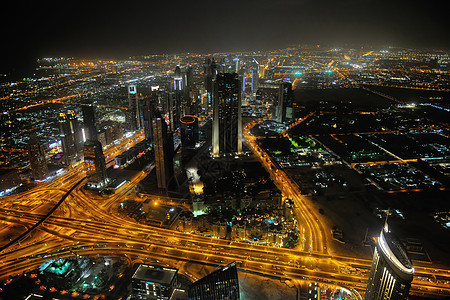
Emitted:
<point x="189" y="131"/>
<point x="70" y="135"/>
<point x="392" y="272"/>
<point x="38" y="162"/>
<point x="163" y="148"/>
<point x="95" y="163"/>
<point x="90" y="129"/>
<point x="219" y="285"/>
<point x="148" y="111"/>
<point x="227" y="118"/>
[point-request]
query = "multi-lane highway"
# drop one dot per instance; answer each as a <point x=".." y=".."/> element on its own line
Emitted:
<point x="88" y="224"/>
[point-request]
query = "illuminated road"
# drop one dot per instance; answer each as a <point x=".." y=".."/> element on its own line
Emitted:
<point x="87" y="224"/>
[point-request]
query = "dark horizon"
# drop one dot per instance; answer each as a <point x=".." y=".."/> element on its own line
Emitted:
<point x="119" y="31"/>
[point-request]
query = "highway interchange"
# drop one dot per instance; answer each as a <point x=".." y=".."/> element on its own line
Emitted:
<point x="88" y="224"/>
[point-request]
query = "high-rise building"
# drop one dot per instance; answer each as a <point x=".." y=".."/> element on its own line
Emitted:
<point x="90" y="130"/>
<point x="163" y="147"/>
<point x="392" y="272"/>
<point x="38" y="162"/>
<point x="133" y="114"/>
<point x="148" y="110"/>
<point x="227" y="118"/>
<point x="210" y="71"/>
<point x="189" y="131"/>
<point x="95" y="163"/>
<point x="283" y="106"/>
<point x="255" y="77"/>
<point x="152" y="282"/>
<point x="219" y="285"/>
<point x="69" y="133"/>
<point x="176" y="112"/>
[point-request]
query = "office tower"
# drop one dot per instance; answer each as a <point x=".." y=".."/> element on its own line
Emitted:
<point x="283" y="106"/>
<point x="210" y="71"/>
<point x="148" y="110"/>
<point x="255" y="77"/>
<point x="178" y="95"/>
<point x="95" y="163"/>
<point x="38" y="162"/>
<point x="90" y="130"/>
<point x="392" y="272"/>
<point x="69" y="133"/>
<point x="151" y="282"/>
<point x="189" y="131"/>
<point x="133" y="115"/>
<point x="236" y="66"/>
<point x="227" y="119"/>
<point x="187" y="88"/>
<point x="220" y="284"/>
<point x="163" y="147"/>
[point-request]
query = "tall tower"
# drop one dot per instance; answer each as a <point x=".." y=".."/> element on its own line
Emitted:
<point x="210" y="71"/>
<point x="148" y="110"/>
<point x="133" y="115"/>
<point x="392" y="271"/>
<point x="283" y="107"/>
<point x="227" y="118"/>
<point x="176" y="107"/>
<point x="69" y="133"/>
<point x="163" y="147"/>
<point x="90" y="130"/>
<point x="38" y="162"/>
<point x="95" y="162"/>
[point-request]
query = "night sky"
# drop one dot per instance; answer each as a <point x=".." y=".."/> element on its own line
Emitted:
<point x="119" y="29"/>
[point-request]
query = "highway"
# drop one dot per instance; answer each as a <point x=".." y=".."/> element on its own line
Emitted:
<point x="88" y="224"/>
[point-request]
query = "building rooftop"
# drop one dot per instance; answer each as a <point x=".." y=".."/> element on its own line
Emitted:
<point x="155" y="274"/>
<point x="394" y="250"/>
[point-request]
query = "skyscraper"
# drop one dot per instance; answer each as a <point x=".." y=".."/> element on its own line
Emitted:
<point x="38" y="162"/>
<point x="189" y="131"/>
<point x="148" y="110"/>
<point x="69" y="133"/>
<point x="163" y="147"/>
<point x="210" y="71"/>
<point x="95" y="162"/>
<point x="227" y="118"/>
<point x="220" y="284"/>
<point x="392" y="271"/>
<point x="90" y="130"/>
<point x="133" y="115"/>
<point x="283" y="106"/>
<point x="176" y="105"/>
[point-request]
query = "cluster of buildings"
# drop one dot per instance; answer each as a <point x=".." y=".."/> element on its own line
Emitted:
<point x="272" y="224"/>
<point x="151" y="282"/>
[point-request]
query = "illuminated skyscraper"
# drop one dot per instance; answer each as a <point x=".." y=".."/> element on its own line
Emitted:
<point x="392" y="271"/>
<point x="95" y="163"/>
<point x="38" y="162"/>
<point x="210" y="71"/>
<point x="133" y="115"/>
<point x="163" y="147"/>
<point x="227" y="118"/>
<point x="283" y="106"/>
<point x="69" y="133"/>
<point x="176" y="105"/>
